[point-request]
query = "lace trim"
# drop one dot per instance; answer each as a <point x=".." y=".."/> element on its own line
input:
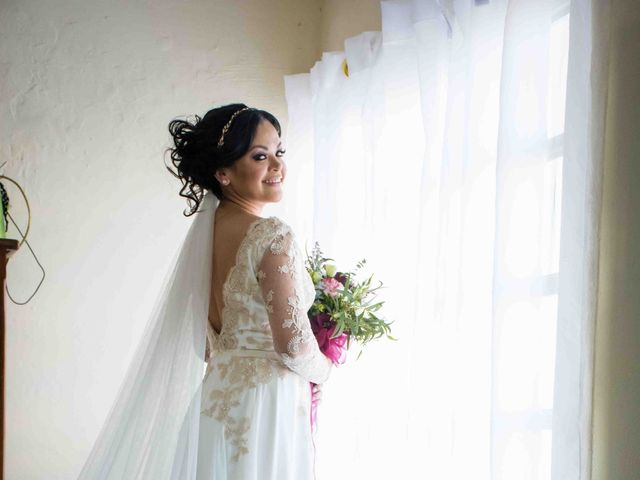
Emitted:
<point x="226" y="339"/>
<point x="240" y="374"/>
<point x="309" y="363"/>
<point x="297" y="306"/>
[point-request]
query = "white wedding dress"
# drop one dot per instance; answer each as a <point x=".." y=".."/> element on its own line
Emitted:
<point x="249" y="417"/>
<point x="255" y="405"/>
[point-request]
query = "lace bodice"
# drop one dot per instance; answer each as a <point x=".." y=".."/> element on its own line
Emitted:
<point x="266" y="297"/>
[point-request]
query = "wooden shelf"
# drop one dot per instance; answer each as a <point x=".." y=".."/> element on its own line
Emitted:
<point x="8" y="247"/>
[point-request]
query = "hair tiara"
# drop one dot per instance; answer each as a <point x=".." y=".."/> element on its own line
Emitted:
<point x="226" y="127"/>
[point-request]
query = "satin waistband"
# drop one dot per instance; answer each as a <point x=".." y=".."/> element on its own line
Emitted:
<point x="246" y="353"/>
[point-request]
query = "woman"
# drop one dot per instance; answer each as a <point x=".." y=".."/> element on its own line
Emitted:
<point x="239" y="280"/>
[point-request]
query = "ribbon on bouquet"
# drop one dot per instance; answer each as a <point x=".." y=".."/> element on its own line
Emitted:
<point x="333" y="348"/>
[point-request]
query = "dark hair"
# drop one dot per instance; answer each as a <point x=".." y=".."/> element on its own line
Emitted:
<point x="196" y="155"/>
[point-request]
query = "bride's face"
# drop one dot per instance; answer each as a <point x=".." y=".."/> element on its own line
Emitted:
<point x="251" y="177"/>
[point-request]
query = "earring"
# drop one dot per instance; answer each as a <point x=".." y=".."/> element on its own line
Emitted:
<point x="225" y="182"/>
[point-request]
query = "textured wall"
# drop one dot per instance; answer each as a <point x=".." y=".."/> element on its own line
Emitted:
<point x="87" y="89"/>
<point x="341" y="20"/>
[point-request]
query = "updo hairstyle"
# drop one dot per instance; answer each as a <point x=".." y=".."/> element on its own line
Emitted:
<point x="196" y="154"/>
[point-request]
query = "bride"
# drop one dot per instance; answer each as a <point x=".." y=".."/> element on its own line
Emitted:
<point x="235" y="297"/>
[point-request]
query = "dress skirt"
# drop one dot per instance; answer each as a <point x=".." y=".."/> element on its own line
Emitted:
<point x="254" y="419"/>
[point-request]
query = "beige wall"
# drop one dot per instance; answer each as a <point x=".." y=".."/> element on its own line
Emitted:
<point x="87" y="88"/>
<point x="616" y="417"/>
<point x="342" y="19"/>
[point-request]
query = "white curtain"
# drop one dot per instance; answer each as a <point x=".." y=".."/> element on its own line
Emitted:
<point x="587" y="85"/>
<point x="441" y="158"/>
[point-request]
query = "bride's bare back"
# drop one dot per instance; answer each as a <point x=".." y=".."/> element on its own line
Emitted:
<point x="230" y="228"/>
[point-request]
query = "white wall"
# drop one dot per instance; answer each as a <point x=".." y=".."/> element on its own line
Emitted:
<point x="87" y="89"/>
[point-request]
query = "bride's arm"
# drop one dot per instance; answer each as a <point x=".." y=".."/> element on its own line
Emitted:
<point x="280" y="277"/>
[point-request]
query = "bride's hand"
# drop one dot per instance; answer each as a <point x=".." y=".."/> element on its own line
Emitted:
<point x="317" y="393"/>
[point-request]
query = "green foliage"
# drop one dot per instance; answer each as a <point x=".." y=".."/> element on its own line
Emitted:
<point x="353" y="308"/>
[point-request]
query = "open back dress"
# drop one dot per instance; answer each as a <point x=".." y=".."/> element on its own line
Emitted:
<point x="256" y="398"/>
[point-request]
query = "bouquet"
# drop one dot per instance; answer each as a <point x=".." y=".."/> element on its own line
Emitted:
<point x="344" y="310"/>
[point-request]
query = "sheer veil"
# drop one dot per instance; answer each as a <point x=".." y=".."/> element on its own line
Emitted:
<point x="151" y="431"/>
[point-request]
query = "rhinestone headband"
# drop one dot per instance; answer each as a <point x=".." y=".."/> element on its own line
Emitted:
<point x="226" y="127"/>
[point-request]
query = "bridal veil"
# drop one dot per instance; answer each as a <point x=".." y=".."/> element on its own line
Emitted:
<point x="151" y="431"/>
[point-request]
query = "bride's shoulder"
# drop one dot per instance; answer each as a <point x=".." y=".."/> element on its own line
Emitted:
<point x="271" y="227"/>
<point x="272" y="233"/>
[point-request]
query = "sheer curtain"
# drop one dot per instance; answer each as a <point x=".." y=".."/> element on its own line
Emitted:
<point x="436" y="150"/>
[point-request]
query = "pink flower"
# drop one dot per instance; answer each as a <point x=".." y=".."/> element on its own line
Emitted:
<point x="333" y="348"/>
<point x="331" y="286"/>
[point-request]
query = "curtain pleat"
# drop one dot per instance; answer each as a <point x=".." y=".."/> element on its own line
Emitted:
<point x="442" y="158"/>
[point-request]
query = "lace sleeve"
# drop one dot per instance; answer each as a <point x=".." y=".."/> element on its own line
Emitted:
<point x="280" y="277"/>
